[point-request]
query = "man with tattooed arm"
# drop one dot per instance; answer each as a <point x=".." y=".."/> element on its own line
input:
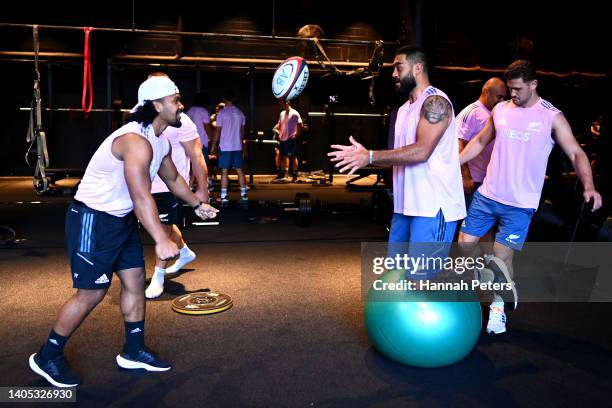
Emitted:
<point x="427" y="187"/>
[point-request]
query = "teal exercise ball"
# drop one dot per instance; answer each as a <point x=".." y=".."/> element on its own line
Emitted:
<point x="417" y="330"/>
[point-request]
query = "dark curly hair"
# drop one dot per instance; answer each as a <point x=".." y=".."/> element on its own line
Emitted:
<point x="145" y="114"/>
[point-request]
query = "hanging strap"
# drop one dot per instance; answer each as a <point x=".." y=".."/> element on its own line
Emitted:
<point x="87" y="74"/>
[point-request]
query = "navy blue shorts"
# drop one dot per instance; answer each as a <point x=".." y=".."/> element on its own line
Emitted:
<point x="484" y="213"/>
<point x="287" y="148"/>
<point x="230" y="160"/>
<point x="169" y="208"/>
<point x="99" y="244"/>
<point x="205" y="153"/>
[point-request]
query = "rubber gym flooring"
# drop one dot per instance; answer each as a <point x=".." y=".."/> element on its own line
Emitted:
<point x="295" y="335"/>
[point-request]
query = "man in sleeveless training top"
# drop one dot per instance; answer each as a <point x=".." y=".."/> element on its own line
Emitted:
<point x="102" y="235"/>
<point x="525" y="129"/>
<point x="427" y="189"/>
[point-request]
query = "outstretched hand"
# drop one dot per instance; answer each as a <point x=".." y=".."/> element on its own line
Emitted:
<point x="350" y="158"/>
<point x="206" y="211"/>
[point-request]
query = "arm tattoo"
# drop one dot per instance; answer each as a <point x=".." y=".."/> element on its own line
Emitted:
<point x="436" y="109"/>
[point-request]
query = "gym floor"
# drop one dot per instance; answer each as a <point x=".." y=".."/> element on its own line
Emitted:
<point x="294" y="336"/>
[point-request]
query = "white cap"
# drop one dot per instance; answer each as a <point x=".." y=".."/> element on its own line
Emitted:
<point x="155" y="87"/>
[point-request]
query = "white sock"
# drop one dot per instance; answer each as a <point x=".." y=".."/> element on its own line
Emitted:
<point x="158" y="275"/>
<point x="184" y="251"/>
<point x="497" y="302"/>
<point x="224" y="193"/>
<point x="156" y="287"/>
<point x="243" y="191"/>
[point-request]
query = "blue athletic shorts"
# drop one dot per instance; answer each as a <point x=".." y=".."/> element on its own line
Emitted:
<point x="230" y="160"/>
<point x="513" y="222"/>
<point x="99" y="244"/>
<point x="421" y="237"/>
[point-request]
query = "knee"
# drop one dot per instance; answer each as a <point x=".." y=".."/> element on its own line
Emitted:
<point x="90" y="297"/>
<point x="466" y="246"/>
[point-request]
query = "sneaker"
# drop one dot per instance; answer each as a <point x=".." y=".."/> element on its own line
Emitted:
<point x="181" y="262"/>
<point x="56" y="370"/>
<point x="244" y="199"/>
<point x="502" y="275"/>
<point x="224" y="202"/>
<point x="142" y="359"/>
<point x="497" y="321"/>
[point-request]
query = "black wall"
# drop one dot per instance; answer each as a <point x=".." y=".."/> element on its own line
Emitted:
<point x="460" y="34"/>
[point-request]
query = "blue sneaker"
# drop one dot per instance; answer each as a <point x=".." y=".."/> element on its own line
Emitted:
<point x="55" y="370"/>
<point x="142" y="359"/>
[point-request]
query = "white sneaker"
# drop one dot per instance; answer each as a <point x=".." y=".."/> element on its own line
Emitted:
<point x="181" y="262"/>
<point x="154" y="290"/>
<point x="497" y="321"/>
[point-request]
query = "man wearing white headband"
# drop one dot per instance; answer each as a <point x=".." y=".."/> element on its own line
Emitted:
<point x="102" y="235"/>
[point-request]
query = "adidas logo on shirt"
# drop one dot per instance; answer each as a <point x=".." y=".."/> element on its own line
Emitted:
<point x="136" y="330"/>
<point x="102" y="279"/>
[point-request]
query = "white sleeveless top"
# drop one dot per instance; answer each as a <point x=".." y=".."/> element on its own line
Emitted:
<point x="423" y="189"/>
<point x="103" y="186"/>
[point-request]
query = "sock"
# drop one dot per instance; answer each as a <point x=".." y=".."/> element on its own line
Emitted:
<point x="243" y="191"/>
<point x="224" y="193"/>
<point x="184" y="251"/>
<point x="134" y="337"/>
<point x="498" y="302"/>
<point x="54" y="346"/>
<point x="158" y="275"/>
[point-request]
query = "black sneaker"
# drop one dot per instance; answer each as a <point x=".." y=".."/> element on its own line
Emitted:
<point x="56" y="370"/>
<point x="502" y="276"/>
<point x="142" y="359"/>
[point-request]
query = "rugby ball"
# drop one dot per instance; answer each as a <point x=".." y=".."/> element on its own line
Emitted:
<point x="290" y="78"/>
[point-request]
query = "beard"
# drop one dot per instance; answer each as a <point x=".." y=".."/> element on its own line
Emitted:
<point x="406" y="85"/>
<point x="177" y="123"/>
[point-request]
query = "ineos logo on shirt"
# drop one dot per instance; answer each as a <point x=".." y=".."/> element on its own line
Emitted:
<point x="518" y="135"/>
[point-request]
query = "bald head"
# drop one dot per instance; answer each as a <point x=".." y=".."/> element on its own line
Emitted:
<point x="493" y="92"/>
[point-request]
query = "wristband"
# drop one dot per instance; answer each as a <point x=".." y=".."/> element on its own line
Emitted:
<point x="371" y="157"/>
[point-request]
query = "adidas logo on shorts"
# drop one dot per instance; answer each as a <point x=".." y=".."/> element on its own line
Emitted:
<point x="102" y="279"/>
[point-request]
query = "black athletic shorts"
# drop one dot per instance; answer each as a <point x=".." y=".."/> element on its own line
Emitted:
<point x="99" y="244"/>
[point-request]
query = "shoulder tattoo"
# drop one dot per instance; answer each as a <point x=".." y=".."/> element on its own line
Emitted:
<point x="436" y="109"/>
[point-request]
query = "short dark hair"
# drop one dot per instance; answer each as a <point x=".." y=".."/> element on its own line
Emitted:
<point x="520" y="69"/>
<point x="414" y="55"/>
<point x="228" y="95"/>
<point x="144" y="114"/>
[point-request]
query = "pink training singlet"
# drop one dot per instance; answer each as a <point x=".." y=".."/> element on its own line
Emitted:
<point x="523" y="141"/>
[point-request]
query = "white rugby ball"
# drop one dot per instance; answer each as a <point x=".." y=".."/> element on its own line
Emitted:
<point x="290" y="78"/>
